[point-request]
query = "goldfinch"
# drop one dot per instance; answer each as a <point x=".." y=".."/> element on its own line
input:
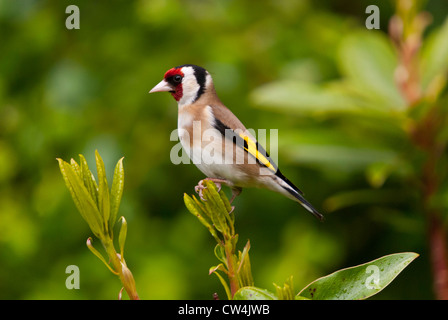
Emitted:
<point x="216" y="140"/>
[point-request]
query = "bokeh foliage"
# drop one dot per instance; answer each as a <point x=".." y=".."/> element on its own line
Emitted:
<point x="309" y="69"/>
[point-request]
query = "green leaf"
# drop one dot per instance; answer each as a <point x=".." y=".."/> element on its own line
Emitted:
<point x="220" y="253"/>
<point x="192" y="206"/>
<point x="434" y="57"/>
<point x="338" y="148"/>
<point x="88" y="179"/>
<point x="221" y="279"/>
<point x="244" y="255"/>
<point x="219" y="267"/>
<point x="359" y="282"/>
<point x="227" y="205"/>
<point x="82" y="199"/>
<point x="75" y="167"/>
<point x="287" y="291"/>
<point x="377" y="173"/>
<point x="201" y="208"/>
<point x="368" y="61"/>
<point x="122" y="236"/>
<point x="103" y="190"/>
<point x="244" y="271"/>
<point x="300" y="298"/>
<point x="196" y="209"/>
<point x="216" y="208"/>
<point x="116" y="192"/>
<point x="342" y="157"/>
<point x="253" y="293"/>
<point x="99" y="255"/>
<point x="346" y="199"/>
<point x="301" y="97"/>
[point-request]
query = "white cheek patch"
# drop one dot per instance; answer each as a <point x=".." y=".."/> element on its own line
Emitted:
<point x="190" y="87"/>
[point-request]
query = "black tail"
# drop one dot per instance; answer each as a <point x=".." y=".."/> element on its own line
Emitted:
<point x="307" y="205"/>
<point x="296" y="193"/>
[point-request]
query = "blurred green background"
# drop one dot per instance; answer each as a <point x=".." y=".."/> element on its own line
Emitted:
<point x="311" y="70"/>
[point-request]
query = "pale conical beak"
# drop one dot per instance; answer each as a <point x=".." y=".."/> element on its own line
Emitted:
<point x="162" y="86"/>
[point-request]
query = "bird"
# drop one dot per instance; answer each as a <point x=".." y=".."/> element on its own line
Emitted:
<point x="217" y="141"/>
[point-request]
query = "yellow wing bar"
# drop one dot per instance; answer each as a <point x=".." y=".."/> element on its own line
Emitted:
<point x="252" y="147"/>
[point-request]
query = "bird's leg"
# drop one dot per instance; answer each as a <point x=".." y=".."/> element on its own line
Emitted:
<point x="235" y="192"/>
<point x="198" y="189"/>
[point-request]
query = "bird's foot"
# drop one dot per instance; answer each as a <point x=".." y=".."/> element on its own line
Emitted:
<point x="198" y="189"/>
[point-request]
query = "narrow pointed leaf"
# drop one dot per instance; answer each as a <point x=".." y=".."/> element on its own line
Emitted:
<point x="196" y="210"/>
<point x="244" y="271"/>
<point x="287" y="291"/>
<point x="224" y="284"/>
<point x="200" y="206"/>
<point x="215" y="207"/>
<point x="244" y="255"/>
<point x="116" y="192"/>
<point x="103" y="190"/>
<point x="219" y="267"/>
<point x="82" y="199"/>
<point x="89" y="180"/>
<point x="227" y="205"/>
<point x="99" y="255"/>
<point x="75" y="167"/>
<point x="122" y="236"/>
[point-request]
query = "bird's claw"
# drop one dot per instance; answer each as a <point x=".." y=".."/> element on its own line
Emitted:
<point x="198" y="189"/>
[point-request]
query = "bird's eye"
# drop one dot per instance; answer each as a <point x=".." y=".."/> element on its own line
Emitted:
<point x="177" y="78"/>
